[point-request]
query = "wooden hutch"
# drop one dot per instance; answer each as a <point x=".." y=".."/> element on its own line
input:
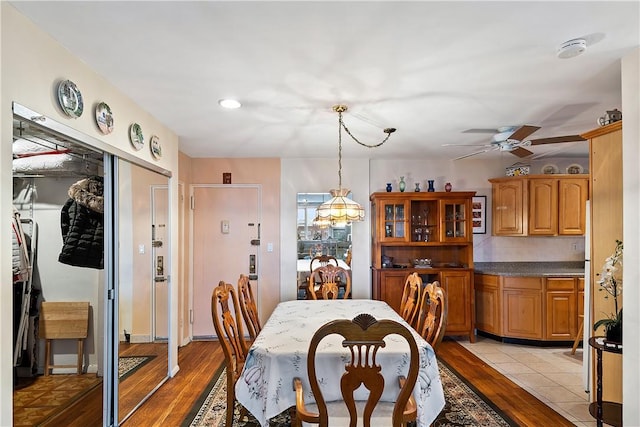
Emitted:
<point x="436" y="226"/>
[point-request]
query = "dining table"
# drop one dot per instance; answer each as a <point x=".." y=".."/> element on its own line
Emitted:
<point x="279" y="354"/>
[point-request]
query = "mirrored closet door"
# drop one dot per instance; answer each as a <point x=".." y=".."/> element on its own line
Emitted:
<point x="63" y="179"/>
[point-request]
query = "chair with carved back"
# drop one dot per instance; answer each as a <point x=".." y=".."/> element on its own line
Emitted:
<point x="364" y="335"/>
<point x="248" y="306"/>
<point x="321" y="261"/>
<point x="228" y="327"/>
<point x="326" y="281"/>
<point x="432" y="317"/>
<point x="410" y="302"/>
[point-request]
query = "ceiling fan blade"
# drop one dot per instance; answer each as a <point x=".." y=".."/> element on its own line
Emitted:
<point x="471" y="154"/>
<point x="523" y="131"/>
<point x="467" y="145"/>
<point x="480" y="131"/>
<point x="521" y="152"/>
<point x="557" y="139"/>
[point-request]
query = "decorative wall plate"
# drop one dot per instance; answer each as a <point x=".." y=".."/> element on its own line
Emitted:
<point x="104" y="118"/>
<point x="70" y="99"/>
<point x="135" y="136"/>
<point x="154" y="145"/>
<point x="575" y="169"/>
<point x="549" y="169"/>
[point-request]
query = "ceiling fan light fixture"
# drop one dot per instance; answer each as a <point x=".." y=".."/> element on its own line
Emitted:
<point x="572" y="48"/>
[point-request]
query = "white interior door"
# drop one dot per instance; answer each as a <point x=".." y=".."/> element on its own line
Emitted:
<point x="226" y="228"/>
<point x="160" y="251"/>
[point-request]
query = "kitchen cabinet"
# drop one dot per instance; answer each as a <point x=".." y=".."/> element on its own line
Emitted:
<point x="488" y="304"/>
<point x="561" y="309"/>
<point x="539" y="205"/>
<point x="522" y="307"/>
<point x="508" y="204"/>
<point x="433" y="226"/>
<point x="533" y="308"/>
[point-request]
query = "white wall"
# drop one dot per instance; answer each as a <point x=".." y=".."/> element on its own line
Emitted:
<point x="32" y="66"/>
<point x="321" y="175"/>
<point x="631" y="233"/>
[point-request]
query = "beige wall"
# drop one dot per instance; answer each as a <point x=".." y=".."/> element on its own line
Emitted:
<point x="183" y="274"/>
<point x="32" y="66"/>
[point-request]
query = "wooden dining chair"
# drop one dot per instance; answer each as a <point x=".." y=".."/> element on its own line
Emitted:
<point x="327" y="281"/>
<point x="410" y="302"/>
<point x="229" y="330"/>
<point x="364" y="335"/>
<point x="432" y="315"/>
<point x="248" y="306"/>
<point x="322" y="261"/>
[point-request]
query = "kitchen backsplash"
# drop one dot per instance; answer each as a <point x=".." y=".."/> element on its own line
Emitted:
<point x="487" y="248"/>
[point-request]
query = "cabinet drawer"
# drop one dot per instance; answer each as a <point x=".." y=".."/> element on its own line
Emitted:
<point x="560" y="284"/>
<point x="522" y="282"/>
<point x="487" y="279"/>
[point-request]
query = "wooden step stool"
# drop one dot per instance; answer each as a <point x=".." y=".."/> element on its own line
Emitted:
<point x="64" y="320"/>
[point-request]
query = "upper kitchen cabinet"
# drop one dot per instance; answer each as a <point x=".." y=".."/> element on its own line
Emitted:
<point x="539" y="205"/>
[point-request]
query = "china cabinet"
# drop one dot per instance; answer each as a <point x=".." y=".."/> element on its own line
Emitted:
<point x="539" y="205"/>
<point x="431" y="233"/>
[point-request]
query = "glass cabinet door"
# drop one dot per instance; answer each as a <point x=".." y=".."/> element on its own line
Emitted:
<point x="455" y="220"/>
<point x="394" y="221"/>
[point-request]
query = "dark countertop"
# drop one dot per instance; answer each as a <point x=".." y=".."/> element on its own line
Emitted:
<point x="531" y="269"/>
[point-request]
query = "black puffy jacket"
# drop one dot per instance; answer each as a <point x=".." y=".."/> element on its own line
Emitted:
<point x="82" y="222"/>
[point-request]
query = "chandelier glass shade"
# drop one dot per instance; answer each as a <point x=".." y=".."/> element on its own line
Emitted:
<point x="341" y="210"/>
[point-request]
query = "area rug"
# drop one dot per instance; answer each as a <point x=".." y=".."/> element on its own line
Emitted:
<point x="127" y="365"/>
<point x="464" y="406"/>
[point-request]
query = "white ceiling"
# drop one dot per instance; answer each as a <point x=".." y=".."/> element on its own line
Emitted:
<point x="430" y="69"/>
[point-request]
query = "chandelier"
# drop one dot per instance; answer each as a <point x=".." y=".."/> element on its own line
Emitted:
<point x="341" y="210"/>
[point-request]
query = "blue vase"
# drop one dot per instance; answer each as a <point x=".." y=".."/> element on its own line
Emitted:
<point x="431" y="189"/>
<point x="389" y="187"/>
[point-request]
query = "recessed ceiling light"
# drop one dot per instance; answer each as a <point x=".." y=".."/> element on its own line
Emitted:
<point x="572" y="48"/>
<point x="229" y="103"/>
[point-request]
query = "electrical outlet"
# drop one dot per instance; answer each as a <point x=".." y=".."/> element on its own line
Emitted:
<point x="574" y="247"/>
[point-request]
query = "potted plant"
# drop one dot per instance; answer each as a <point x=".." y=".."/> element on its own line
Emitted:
<point x="612" y="284"/>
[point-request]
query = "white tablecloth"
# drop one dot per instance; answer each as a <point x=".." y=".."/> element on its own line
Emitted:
<point x="279" y="354"/>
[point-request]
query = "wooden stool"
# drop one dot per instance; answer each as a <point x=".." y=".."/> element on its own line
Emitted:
<point x="64" y="320"/>
<point x="578" y="334"/>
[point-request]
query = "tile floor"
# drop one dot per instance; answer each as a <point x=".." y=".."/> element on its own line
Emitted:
<point x="551" y="374"/>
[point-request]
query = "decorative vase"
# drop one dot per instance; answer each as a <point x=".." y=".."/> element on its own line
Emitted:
<point x="614" y="333"/>
<point x="431" y="189"/>
<point x="417" y="190"/>
<point x="402" y="184"/>
<point x="389" y="188"/>
<point x="447" y="187"/>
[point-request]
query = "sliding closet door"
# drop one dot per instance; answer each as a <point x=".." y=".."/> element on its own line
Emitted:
<point x="142" y="284"/>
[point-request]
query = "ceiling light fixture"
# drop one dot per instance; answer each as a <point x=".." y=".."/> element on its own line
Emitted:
<point x="230" y="104"/>
<point x="572" y="48"/>
<point x="340" y="209"/>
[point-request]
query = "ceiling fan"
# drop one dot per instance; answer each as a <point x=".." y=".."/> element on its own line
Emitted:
<point x="512" y="139"/>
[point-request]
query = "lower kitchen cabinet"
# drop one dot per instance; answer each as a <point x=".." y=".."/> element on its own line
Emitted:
<point x="522" y="307"/>
<point x="562" y="309"/>
<point x="534" y="308"/>
<point x="460" y="301"/>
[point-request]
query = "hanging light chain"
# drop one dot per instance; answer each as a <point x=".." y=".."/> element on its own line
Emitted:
<point x="342" y="108"/>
